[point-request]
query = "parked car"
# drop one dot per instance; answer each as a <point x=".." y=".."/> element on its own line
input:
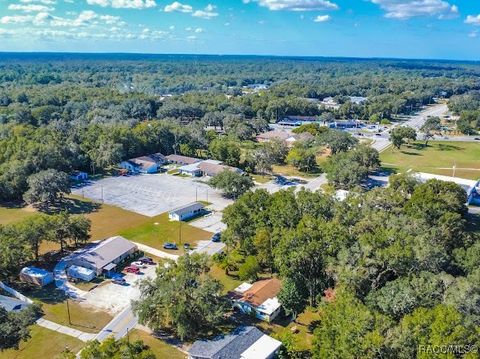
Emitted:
<point x="216" y="237"/>
<point x="138" y="264"/>
<point x="146" y="260"/>
<point x="477" y="138"/>
<point x="168" y="245"/>
<point x="119" y="281"/>
<point x="132" y="269"/>
<point x="186" y="246"/>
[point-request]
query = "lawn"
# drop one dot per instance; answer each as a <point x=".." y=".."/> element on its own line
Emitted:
<point x="160" y="348"/>
<point x="107" y="221"/>
<point x="290" y="171"/>
<point x="230" y="282"/>
<point x="158" y="230"/>
<point x="261" y="178"/>
<point x="12" y="214"/>
<point x="45" y="344"/>
<point x="54" y="305"/>
<point x="303" y="338"/>
<point x="438" y="158"/>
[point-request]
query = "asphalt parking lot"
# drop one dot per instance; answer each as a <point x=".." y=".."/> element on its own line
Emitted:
<point x="151" y="195"/>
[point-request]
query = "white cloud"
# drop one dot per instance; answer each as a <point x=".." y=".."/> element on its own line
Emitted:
<point x="30" y="7"/>
<point x="208" y="13"/>
<point x="176" y="6"/>
<point x="322" y="18"/>
<point x="405" y="9"/>
<point x="191" y="37"/>
<point x="124" y="4"/>
<point x="44" y="2"/>
<point x="172" y="27"/>
<point x="473" y="20"/>
<point x="296" y="5"/>
<point x="198" y="30"/>
<point x="473" y="34"/>
<point x="38" y="19"/>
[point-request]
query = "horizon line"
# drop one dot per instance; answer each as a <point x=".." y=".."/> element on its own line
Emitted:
<point x="240" y="55"/>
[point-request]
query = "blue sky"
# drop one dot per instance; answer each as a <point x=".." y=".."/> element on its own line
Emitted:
<point x="445" y="29"/>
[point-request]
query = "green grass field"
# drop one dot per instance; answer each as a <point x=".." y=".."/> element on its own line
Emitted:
<point x="158" y="347"/>
<point x="54" y="307"/>
<point x="45" y="344"/>
<point x="158" y="230"/>
<point x="438" y="158"/>
<point x="10" y="215"/>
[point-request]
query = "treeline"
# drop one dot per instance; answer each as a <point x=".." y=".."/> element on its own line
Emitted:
<point x="20" y="243"/>
<point x="467" y="106"/>
<point x="390" y="270"/>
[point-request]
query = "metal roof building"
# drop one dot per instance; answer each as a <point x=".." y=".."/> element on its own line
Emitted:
<point x="186" y="212"/>
<point x="104" y="255"/>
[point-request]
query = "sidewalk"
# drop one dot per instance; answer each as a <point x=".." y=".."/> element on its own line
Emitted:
<point x="156" y="252"/>
<point x="84" y="337"/>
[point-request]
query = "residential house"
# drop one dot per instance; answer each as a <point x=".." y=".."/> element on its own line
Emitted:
<point x="259" y="298"/>
<point x="103" y="256"/>
<point x="243" y="343"/>
<point x="186" y="212"/>
<point x="144" y="164"/>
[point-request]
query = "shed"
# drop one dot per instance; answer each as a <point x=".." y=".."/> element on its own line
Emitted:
<point x="37" y="276"/>
<point x="82" y="273"/>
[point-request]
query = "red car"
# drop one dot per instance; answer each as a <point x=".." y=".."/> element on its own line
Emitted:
<point x="132" y="269"/>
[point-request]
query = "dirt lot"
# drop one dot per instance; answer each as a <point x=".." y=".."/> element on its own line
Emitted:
<point x="153" y="194"/>
<point x="112" y="298"/>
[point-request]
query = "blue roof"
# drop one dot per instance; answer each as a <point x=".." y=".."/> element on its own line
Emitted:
<point x="229" y="346"/>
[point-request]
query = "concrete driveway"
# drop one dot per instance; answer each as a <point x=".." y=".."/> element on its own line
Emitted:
<point x="114" y="298"/>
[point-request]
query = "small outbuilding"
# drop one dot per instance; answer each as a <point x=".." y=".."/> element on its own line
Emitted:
<point x="186" y="212"/>
<point x="37" y="276"/>
<point x="81" y="273"/>
<point x="79" y="176"/>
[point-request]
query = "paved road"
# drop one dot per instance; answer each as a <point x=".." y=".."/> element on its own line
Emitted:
<point x="416" y="121"/>
<point x="119" y="326"/>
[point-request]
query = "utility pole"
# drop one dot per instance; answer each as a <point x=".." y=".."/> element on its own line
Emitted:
<point x="180" y="233"/>
<point x="196" y="194"/>
<point x="68" y="312"/>
<point x="102" y="194"/>
<point x="454" y="167"/>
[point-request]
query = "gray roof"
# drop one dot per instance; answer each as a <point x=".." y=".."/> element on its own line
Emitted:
<point x="12" y="304"/>
<point x="188" y="208"/>
<point x="182" y="159"/>
<point x="229" y="346"/>
<point x="105" y="251"/>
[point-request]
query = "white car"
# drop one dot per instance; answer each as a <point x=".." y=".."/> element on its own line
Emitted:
<point x="138" y="264"/>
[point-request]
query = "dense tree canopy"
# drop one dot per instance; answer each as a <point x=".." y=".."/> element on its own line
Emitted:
<point x="183" y="298"/>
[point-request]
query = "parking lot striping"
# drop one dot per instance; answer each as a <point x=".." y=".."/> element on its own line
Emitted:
<point x="151" y="195"/>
